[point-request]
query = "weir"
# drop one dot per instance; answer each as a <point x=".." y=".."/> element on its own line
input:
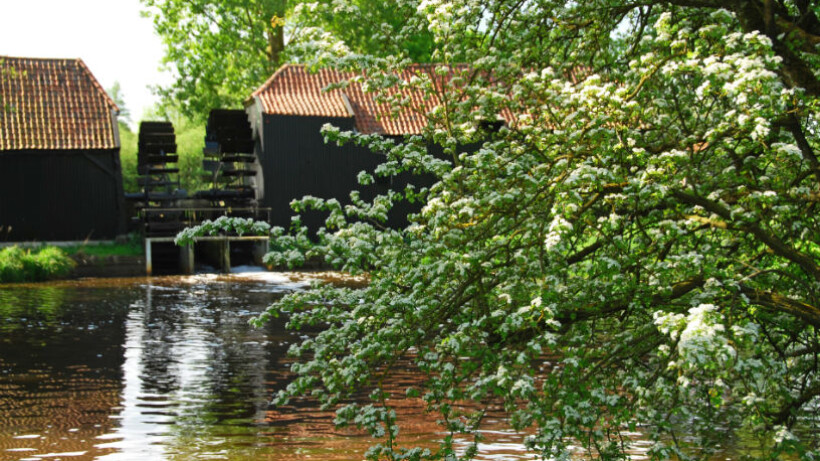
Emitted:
<point x="215" y="249"/>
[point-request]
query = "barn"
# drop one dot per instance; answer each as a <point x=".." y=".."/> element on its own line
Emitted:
<point x="286" y="115"/>
<point x="60" y="176"/>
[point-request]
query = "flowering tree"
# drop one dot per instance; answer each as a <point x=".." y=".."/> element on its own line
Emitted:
<point x="638" y="244"/>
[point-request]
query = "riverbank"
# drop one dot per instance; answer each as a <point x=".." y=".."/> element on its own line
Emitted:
<point x="107" y="266"/>
<point x="103" y="258"/>
<point x="113" y="259"/>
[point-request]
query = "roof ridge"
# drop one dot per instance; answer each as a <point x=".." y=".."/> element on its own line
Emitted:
<point x="38" y="58"/>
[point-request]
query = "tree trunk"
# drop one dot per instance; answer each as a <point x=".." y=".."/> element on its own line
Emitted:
<point x="276" y="33"/>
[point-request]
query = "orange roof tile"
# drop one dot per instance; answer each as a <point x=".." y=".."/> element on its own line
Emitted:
<point x="294" y="90"/>
<point x="53" y="104"/>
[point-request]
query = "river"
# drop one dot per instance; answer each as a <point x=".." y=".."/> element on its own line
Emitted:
<point x="167" y="368"/>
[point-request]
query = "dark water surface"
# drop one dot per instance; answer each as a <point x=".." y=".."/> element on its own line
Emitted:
<point x="169" y="369"/>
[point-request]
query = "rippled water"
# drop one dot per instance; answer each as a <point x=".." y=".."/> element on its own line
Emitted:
<point x="169" y="369"/>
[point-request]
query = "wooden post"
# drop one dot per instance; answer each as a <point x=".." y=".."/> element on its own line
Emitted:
<point x="186" y="259"/>
<point x="225" y="256"/>
<point x="259" y="251"/>
<point x="148" y="268"/>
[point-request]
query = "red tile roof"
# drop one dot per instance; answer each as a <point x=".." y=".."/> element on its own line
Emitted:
<point x="294" y="90"/>
<point x="53" y="104"/>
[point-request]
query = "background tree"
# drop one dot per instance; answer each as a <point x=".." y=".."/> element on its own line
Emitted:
<point x="368" y="28"/>
<point x="222" y="50"/>
<point x="190" y="137"/>
<point x="128" y="159"/>
<point x="640" y="244"/>
<point x="128" y="141"/>
<point x="219" y="50"/>
<point x="190" y="140"/>
<point x="115" y="92"/>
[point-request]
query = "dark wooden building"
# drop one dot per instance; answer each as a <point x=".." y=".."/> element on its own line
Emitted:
<point x="60" y="176"/>
<point x="287" y="113"/>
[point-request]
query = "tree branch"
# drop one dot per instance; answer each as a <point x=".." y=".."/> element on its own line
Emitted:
<point x="779" y="303"/>
<point x="797" y="72"/>
<point x="780" y="248"/>
<point x="783" y="416"/>
<point x="600" y="309"/>
<point x="803" y="144"/>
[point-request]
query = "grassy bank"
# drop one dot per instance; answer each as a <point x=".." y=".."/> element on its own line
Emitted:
<point x="133" y="247"/>
<point x="33" y="265"/>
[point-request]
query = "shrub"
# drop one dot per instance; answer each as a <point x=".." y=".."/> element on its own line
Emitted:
<point x="11" y="264"/>
<point x="23" y="265"/>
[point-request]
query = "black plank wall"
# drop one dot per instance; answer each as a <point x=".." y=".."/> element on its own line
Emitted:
<point x="60" y="195"/>
<point x="297" y="162"/>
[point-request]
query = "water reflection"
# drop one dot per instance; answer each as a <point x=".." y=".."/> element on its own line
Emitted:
<point x="163" y="368"/>
<point x="169" y="369"/>
<point x="191" y="363"/>
<point x="21" y="309"/>
<point x="60" y="369"/>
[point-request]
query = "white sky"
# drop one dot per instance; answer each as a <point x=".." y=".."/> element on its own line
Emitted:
<point x="110" y="36"/>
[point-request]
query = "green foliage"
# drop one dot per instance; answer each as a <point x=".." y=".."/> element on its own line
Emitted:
<point x="326" y="29"/>
<point x="222" y="225"/>
<point x="190" y="136"/>
<point x="638" y="245"/>
<point x="24" y="265"/>
<point x="128" y="158"/>
<point x="116" y="94"/>
<point x="190" y="139"/>
<point x="128" y="141"/>
<point x="222" y="51"/>
<point x="133" y="247"/>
